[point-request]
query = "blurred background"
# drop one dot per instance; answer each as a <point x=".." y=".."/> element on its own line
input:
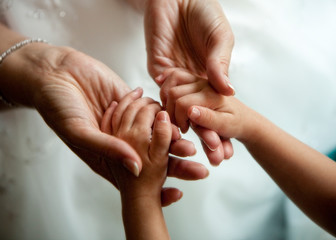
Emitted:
<point x="283" y="66"/>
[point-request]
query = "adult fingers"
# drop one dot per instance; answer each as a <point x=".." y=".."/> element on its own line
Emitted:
<point x="209" y="137"/>
<point x="175" y="133"/>
<point x="109" y="147"/>
<point x="218" y="59"/>
<point x="186" y="170"/>
<point x="106" y="123"/>
<point x="182" y="148"/>
<point x="228" y="148"/>
<point x="169" y="196"/>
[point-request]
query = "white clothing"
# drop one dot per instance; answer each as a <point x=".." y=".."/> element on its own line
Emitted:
<point x="282" y="66"/>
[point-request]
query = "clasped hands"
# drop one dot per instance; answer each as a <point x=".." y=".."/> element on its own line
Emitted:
<point x="73" y="91"/>
<point x="132" y="120"/>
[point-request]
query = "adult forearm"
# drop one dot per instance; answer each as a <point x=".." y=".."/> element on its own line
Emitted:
<point x="305" y="175"/>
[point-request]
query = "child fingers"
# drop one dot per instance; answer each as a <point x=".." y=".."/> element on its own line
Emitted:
<point x="123" y="104"/>
<point x="174" y="77"/>
<point x="161" y="137"/>
<point x="146" y="115"/>
<point x="132" y="111"/>
<point x="106" y="124"/>
<point x="175" y="96"/>
<point x="207" y="118"/>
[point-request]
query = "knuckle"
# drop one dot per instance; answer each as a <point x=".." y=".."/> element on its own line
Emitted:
<point x="181" y="104"/>
<point x="173" y="94"/>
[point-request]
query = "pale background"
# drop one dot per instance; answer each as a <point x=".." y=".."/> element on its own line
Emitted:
<point x="283" y="66"/>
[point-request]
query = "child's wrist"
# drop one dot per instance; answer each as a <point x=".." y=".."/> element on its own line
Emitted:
<point x="253" y="128"/>
<point x="139" y="197"/>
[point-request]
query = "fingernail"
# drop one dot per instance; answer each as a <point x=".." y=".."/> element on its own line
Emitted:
<point x="203" y="169"/>
<point x="162" y="116"/>
<point x="195" y="113"/>
<point x="211" y="149"/>
<point x="137" y="90"/>
<point x="233" y="90"/>
<point x="227" y="80"/>
<point x="132" y="166"/>
<point x="159" y="78"/>
<point x="180" y="195"/>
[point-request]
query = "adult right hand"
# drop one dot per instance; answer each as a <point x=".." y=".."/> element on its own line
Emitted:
<point x="193" y="36"/>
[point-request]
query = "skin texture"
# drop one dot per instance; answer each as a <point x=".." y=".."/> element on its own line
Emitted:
<point x="194" y="36"/>
<point x="305" y="175"/>
<point x="72" y="91"/>
<point x="148" y="130"/>
<point x="177" y="85"/>
<point x="131" y="105"/>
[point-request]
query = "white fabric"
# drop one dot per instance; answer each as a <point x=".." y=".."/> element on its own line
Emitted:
<point x="283" y="65"/>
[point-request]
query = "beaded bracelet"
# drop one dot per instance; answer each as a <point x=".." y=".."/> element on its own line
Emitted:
<point x="12" y="49"/>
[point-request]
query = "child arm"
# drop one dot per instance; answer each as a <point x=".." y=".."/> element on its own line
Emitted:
<point x="132" y="121"/>
<point x="141" y="207"/>
<point x="305" y="175"/>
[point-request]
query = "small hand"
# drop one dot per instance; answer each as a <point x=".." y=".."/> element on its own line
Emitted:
<point x="227" y="120"/>
<point x="144" y="108"/>
<point x="181" y="90"/>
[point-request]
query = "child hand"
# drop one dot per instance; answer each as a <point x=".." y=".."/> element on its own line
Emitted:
<point x="132" y="122"/>
<point x="133" y="107"/>
<point x="177" y="95"/>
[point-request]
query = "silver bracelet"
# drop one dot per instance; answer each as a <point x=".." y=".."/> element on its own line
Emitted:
<point x="12" y="49"/>
<point x="20" y="45"/>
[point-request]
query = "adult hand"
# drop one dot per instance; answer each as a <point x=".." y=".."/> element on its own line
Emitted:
<point x="193" y="35"/>
<point x="71" y="91"/>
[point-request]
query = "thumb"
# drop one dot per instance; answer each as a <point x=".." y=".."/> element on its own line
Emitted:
<point x="217" y="64"/>
<point x="206" y="118"/>
<point x="112" y="148"/>
<point x="162" y="134"/>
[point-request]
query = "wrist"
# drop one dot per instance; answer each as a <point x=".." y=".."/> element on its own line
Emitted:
<point x="23" y="72"/>
<point x="139" y="198"/>
<point x="254" y="127"/>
